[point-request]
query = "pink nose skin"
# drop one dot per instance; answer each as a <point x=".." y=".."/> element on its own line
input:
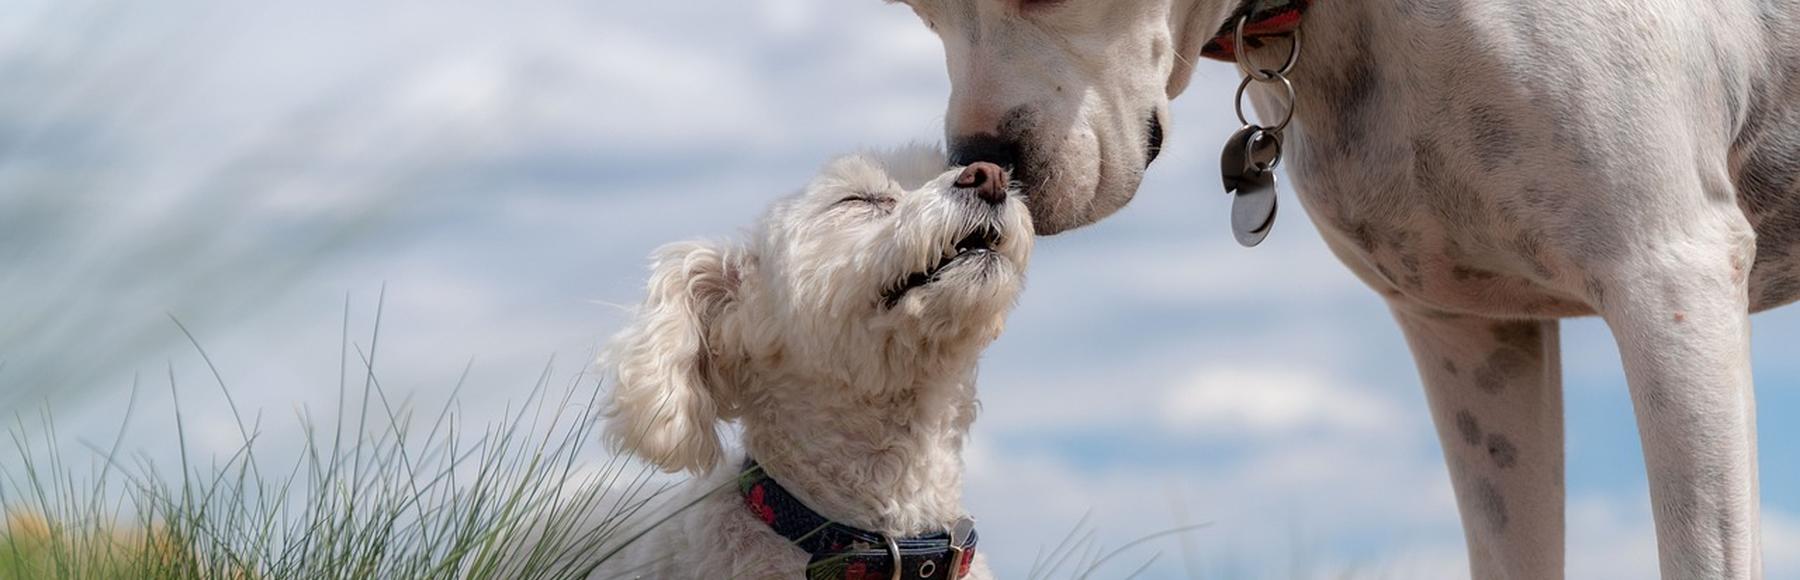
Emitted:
<point x="988" y="181"/>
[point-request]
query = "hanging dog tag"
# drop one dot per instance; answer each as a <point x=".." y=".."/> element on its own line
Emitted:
<point x="1234" y="164"/>
<point x="1253" y="210"/>
<point x="1248" y="170"/>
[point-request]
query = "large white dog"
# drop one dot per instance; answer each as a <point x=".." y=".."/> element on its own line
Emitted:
<point x="1489" y="167"/>
<point x="842" y="337"/>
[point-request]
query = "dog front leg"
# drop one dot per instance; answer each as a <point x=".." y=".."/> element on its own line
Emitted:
<point x="1681" y="319"/>
<point x="1495" y="391"/>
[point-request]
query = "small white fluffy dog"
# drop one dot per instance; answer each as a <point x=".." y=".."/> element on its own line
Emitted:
<point x="843" y="337"/>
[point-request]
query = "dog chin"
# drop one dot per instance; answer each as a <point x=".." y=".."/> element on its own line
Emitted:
<point x="1089" y="188"/>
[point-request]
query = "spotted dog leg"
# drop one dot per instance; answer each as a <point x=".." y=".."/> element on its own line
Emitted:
<point x="1680" y="316"/>
<point x="1495" y="390"/>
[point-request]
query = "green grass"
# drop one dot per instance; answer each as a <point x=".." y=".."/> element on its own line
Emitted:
<point x="369" y="495"/>
<point x="373" y="492"/>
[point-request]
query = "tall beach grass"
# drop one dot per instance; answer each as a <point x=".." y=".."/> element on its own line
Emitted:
<point x="372" y="493"/>
<point x="379" y="488"/>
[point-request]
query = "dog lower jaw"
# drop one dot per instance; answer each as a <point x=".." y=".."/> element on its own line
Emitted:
<point x="982" y="244"/>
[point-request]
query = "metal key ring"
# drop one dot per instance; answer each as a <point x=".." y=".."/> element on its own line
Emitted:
<point x="1258" y="138"/>
<point x="1243" y="55"/>
<point x="1291" y="101"/>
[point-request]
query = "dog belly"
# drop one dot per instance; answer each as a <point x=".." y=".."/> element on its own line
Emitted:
<point x="1414" y="264"/>
<point x="1478" y="159"/>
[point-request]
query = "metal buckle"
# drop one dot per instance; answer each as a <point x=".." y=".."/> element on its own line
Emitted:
<point x="959" y="535"/>
<point x="894" y="552"/>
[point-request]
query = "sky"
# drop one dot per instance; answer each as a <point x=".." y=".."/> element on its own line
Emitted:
<point x="502" y="171"/>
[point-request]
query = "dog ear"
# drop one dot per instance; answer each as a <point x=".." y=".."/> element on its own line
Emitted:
<point x="668" y="392"/>
<point x="1193" y="30"/>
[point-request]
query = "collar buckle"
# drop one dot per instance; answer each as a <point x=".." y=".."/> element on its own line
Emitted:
<point x="893" y="549"/>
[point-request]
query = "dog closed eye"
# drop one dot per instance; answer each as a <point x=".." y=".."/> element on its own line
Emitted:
<point x="883" y="202"/>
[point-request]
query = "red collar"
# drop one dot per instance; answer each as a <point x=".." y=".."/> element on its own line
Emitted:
<point x="1267" y="18"/>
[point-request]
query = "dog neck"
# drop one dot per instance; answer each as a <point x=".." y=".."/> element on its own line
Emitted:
<point x="884" y="458"/>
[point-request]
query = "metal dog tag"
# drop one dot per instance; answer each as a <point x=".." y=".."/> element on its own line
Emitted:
<point x="1253" y="210"/>
<point x="1248" y="170"/>
<point x="1235" y="163"/>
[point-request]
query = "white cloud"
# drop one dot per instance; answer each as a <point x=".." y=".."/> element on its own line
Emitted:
<point x="1273" y="401"/>
<point x="1263" y="523"/>
<point x="1781" y="543"/>
<point x="1611" y="538"/>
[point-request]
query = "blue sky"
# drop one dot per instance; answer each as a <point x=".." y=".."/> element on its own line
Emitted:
<point x="504" y="170"/>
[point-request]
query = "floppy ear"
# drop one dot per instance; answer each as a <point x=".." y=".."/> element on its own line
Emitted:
<point x="668" y="394"/>
<point x="1193" y="24"/>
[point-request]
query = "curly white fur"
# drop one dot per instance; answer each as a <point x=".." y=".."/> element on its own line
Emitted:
<point x="857" y="406"/>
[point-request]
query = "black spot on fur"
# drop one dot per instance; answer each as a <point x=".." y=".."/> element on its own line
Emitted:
<point x="1502" y="451"/>
<point x="1450" y="367"/>
<point x="1467" y="274"/>
<point x="1526" y="335"/>
<point x="1363" y="235"/>
<point x="1493" y="137"/>
<point x="1654" y="396"/>
<point x="1502" y="367"/>
<point x="1469" y="427"/>
<point x="1492" y="504"/>
<point x="1353" y="92"/>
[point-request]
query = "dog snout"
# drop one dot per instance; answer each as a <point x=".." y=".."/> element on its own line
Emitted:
<point x="985" y="180"/>
<point x="970" y="149"/>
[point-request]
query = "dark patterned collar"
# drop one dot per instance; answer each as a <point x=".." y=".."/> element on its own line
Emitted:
<point x="841" y="552"/>
<point x="1267" y="18"/>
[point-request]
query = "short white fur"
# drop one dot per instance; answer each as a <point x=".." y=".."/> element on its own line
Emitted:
<point x="1488" y="168"/>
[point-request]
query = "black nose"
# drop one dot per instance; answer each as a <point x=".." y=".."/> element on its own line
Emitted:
<point x="970" y="149"/>
<point x="986" y="179"/>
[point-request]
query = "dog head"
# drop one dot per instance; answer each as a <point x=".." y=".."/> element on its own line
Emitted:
<point x="1071" y="94"/>
<point x="885" y="267"/>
